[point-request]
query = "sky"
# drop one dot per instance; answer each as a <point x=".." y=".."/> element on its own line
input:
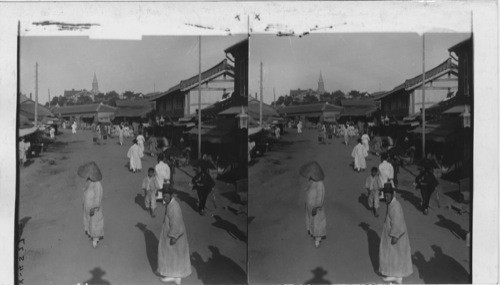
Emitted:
<point x="368" y="62"/>
<point x="153" y="63"/>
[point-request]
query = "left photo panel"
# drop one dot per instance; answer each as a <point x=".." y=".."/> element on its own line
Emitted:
<point x="132" y="160"/>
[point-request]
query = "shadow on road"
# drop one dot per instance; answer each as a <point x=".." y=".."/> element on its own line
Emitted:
<point x="186" y="198"/>
<point x="139" y="200"/>
<point x="319" y="277"/>
<point x="363" y="200"/>
<point x="410" y="197"/>
<point x="454" y="228"/>
<point x="96" y="279"/>
<point x="151" y="246"/>
<point x="22" y="224"/>
<point x="440" y="268"/>
<point x="373" y="245"/>
<point x="230" y="228"/>
<point x="218" y="269"/>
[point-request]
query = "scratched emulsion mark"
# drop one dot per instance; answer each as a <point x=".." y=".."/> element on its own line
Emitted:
<point x="199" y="26"/>
<point x="66" y="26"/>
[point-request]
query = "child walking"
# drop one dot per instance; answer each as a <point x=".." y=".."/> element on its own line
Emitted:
<point x="373" y="185"/>
<point x="150" y="186"/>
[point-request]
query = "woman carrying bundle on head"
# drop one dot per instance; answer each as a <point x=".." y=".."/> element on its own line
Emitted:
<point x="315" y="197"/>
<point x="93" y="219"/>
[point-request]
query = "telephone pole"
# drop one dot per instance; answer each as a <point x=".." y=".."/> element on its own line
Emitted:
<point x="261" y="95"/>
<point x="36" y="95"/>
<point x="274" y="102"/>
<point x="49" y="97"/>
<point x="199" y="97"/>
<point x="423" y="95"/>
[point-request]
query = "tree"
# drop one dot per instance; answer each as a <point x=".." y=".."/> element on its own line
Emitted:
<point x="338" y="94"/>
<point x="83" y="99"/>
<point x="355" y="94"/>
<point x="62" y="101"/>
<point x="129" y="95"/>
<point x="288" y="100"/>
<point x="99" y="97"/>
<point x="309" y="98"/>
<point x="280" y="100"/>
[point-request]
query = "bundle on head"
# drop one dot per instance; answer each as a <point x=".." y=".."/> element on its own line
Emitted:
<point x="90" y="171"/>
<point x="312" y="170"/>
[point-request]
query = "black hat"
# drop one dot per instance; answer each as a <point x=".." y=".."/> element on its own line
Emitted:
<point x="388" y="188"/>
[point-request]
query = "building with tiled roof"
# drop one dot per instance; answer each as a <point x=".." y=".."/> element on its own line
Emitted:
<point x="88" y="112"/>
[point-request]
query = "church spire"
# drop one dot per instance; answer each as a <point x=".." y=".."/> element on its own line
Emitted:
<point x="321" y="84"/>
<point x="95" y="87"/>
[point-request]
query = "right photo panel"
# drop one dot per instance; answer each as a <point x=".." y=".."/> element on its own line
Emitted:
<point x="360" y="158"/>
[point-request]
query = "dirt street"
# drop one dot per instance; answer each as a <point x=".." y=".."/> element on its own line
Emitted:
<point x="280" y="251"/>
<point x="57" y="251"/>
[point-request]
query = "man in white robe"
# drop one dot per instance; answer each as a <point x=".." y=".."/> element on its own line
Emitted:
<point x="173" y="249"/>
<point x="365" y="139"/>
<point x="23" y="148"/>
<point x="386" y="171"/>
<point x="135" y="154"/>
<point x="73" y="128"/>
<point x="394" y="252"/>
<point x="299" y="127"/>
<point x="140" y="142"/>
<point x="162" y="173"/>
<point x="359" y="153"/>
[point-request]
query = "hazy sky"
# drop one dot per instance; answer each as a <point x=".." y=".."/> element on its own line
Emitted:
<point x="120" y="65"/>
<point x="355" y="61"/>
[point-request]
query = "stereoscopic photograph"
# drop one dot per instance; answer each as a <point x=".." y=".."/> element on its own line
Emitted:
<point x="150" y="136"/>
<point x="361" y="158"/>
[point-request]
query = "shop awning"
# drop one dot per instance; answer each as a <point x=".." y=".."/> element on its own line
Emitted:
<point x="28" y="131"/>
<point x="253" y="131"/>
<point x="439" y="130"/>
<point x="455" y="110"/>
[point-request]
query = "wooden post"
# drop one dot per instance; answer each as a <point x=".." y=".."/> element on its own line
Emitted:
<point x="423" y="96"/>
<point x="199" y="97"/>
<point x="36" y="95"/>
<point x="261" y="96"/>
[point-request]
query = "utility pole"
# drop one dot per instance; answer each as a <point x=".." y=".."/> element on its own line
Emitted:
<point x="36" y="95"/>
<point x="423" y="95"/>
<point x="274" y="102"/>
<point x="49" y="97"/>
<point x="261" y="96"/>
<point x="199" y="97"/>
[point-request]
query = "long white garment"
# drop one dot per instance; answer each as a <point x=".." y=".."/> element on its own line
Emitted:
<point x="359" y="153"/>
<point x="386" y="172"/>
<point x="162" y="173"/>
<point x="299" y="127"/>
<point x="395" y="260"/>
<point x="140" y="142"/>
<point x="365" y="139"/>
<point x="135" y="154"/>
<point x="73" y="127"/>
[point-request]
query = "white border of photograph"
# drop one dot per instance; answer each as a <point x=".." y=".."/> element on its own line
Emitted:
<point x="130" y="20"/>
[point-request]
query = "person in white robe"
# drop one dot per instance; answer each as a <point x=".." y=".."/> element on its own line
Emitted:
<point x="359" y="154"/>
<point x="386" y="171"/>
<point x="315" y="197"/>
<point x="365" y="139"/>
<point x="23" y="148"/>
<point x="299" y="127"/>
<point x="346" y="134"/>
<point x="374" y="186"/>
<point x="173" y="249"/>
<point x="150" y="187"/>
<point x="162" y="173"/>
<point x="394" y="252"/>
<point x="120" y="134"/>
<point x="52" y="132"/>
<point x="73" y="128"/>
<point x="135" y="154"/>
<point x="140" y="141"/>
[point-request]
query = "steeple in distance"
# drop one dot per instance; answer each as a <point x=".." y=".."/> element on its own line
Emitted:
<point x="321" y="84"/>
<point x="95" y="87"/>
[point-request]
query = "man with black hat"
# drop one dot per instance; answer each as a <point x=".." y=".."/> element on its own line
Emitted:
<point x="203" y="184"/>
<point x="394" y="253"/>
<point x="173" y="247"/>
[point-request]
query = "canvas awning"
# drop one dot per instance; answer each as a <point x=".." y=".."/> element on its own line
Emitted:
<point x="28" y="131"/>
<point x="456" y="110"/>
<point x="439" y="130"/>
<point x="253" y="131"/>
